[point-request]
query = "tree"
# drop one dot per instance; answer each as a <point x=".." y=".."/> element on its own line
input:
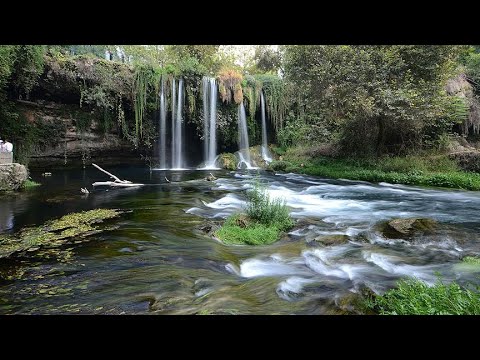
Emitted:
<point x="267" y="58"/>
<point x="379" y="98"/>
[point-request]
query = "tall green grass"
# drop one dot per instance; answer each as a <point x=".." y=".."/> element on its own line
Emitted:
<point x="437" y="171"/>
<point x="263" y="223"/>
<point x="267" y="211"/>
<point x="414" y="297"/>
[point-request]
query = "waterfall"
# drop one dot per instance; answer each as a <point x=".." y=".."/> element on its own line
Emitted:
<point x="178" y="130"/>
<point x="244" y="148"/>
<point x="172" y="154"/>
<point x="209" y="122"/>
<point x="265" y="152"/>
<point x="162" y="129"/>
<point x="206" y="117"/>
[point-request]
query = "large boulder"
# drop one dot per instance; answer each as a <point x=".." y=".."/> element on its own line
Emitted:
<point x="12" y="176"/>
<point x="227" y="161"/>
<point x="408" y="227"/>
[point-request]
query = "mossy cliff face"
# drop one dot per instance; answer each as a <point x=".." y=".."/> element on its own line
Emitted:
<point x="67" y="135"/>
<point x="12" y="176"/>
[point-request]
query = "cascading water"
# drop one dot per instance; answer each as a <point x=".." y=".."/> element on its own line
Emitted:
<point x="206" y="116"/>
<point x="210" y="122"/>
<point x="244" y="148"/>
<point x="174" y="95"/>
<point x="265" y="153"/>
<point x="178" y="130"/>
<point x="163" y="130"/>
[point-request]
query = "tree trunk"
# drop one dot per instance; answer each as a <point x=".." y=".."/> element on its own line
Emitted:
<point x="381" y="136"/>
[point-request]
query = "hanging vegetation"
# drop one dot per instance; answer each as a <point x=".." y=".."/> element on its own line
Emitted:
<point x="465" y="105"/>
<point x="145" y="79"/>
<point x="230" y="86"/>
<point x="275" y="97"/>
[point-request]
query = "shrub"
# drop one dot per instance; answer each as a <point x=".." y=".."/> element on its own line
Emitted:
<point x="279" y="165"/>
<point x="267" y="211"/>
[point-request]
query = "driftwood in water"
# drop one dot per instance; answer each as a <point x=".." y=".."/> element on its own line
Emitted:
<point x="116" y="183"/>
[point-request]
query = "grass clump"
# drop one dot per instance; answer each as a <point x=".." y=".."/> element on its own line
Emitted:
<point x="263" y="223"/>
<point x="267" y="211"/>
<point x="29" y="184"/>
<point x="252" y="233"/>
<point x="414" y="297"/>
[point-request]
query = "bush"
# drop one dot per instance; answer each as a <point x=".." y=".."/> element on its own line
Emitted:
<point x="279" y="165"/>
<point x="263" y="224"/>
<point x="267" y="211"/>
<point x="414" y="297"/>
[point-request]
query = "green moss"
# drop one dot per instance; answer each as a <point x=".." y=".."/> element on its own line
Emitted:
<point x="414" y="297"/>
<point x="42" y="241"/>
<point x="227" y="161"/>
<point x="252" y="233"/>
<point x="473" y="260"/>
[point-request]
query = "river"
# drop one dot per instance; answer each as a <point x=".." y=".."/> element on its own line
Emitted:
<point x="159" y="262"/>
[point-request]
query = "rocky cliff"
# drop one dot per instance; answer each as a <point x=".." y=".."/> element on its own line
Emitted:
<point x="63" y="140"/>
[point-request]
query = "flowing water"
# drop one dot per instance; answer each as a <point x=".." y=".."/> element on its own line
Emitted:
<point x="210" y="122"/>
<point x="265" y="152"/>
<point x="157" y="261"/>
<point x="177" y="138"/>
<point x="243" y="145"/>
<point x="162" y="130"/>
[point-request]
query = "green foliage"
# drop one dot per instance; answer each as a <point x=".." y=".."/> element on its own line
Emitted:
<point x="265" y="210"/>
<point x="414" y="297"/>
<point x="275" y="97"/>
<point x="428" y="171"/>
<point x="146" y="80"/>
<point x="264" y="222"/>
<point x="252" y="234"/>
<point x="382" y="99"/>
<point x="267" y="59"/>
<point x="471" y="260"/>
<point x="27" y="67"/>
<point x="472" y="64"/>
<point x="29" y="184"/>
<point x="280" y="165"/>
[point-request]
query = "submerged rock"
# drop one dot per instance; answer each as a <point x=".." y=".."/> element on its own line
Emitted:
<point x="209" y="227"/>
<point x="332" y="239"/>
<point x="408" y="227"/>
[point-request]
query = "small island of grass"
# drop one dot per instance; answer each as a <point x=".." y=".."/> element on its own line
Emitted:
<point x="262" y="223"/>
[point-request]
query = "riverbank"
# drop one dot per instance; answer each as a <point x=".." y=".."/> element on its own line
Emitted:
<point x="435" y="171"/>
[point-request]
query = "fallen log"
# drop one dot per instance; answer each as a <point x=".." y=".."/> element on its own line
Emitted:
<point x="116" y="183"/>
